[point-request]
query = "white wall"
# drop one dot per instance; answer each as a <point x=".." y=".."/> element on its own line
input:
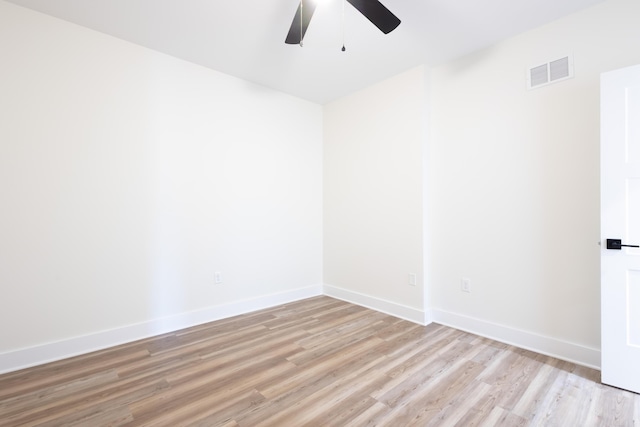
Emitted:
<point x="373" y="146"/>
<point x="127" y="178"/>
<point x="514" y="181"/>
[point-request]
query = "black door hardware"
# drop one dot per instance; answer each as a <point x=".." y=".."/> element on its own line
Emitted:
<point x="616" y="244"/>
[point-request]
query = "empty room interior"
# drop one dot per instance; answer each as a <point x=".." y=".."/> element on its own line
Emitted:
<point x="385" y="245"/>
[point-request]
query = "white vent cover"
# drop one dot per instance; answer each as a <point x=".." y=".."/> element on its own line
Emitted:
<point x="550" y="72"/>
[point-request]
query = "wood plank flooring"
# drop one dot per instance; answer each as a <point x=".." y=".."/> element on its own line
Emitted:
<point x="317" y="362"/>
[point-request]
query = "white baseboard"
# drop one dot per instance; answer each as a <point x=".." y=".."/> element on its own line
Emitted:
<point x="45" y="353"/>
<point x="570" y="352"/>
<point x="50" y="352"/>
<point x="553" y="347"/>
<point x="394" y="309"/>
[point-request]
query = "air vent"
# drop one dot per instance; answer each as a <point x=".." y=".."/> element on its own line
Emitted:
<point x="539" y="75"/>
<point x="550" y="72"/>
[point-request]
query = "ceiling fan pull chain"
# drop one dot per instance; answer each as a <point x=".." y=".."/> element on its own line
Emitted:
<point x="343" y="25"/>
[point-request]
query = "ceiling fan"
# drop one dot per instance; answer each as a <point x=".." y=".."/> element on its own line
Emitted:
<point x="373" y="10"/>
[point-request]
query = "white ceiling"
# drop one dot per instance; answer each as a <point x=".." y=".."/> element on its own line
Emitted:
<point x="246" y="38"/>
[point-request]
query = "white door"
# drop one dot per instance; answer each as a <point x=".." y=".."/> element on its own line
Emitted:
<point x="620" y="219"/>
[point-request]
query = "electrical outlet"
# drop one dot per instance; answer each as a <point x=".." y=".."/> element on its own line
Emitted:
<point x="412" y="279"/>
<point x="217" y="278"/>
<point x="465" y="285"/>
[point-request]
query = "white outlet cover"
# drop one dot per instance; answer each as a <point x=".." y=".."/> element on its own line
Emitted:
<point x="412" y="279"/>
<point x="465" y="285"/>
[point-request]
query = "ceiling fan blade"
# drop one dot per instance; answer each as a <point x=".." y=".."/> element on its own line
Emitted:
<point x="296" y="32"/>
<point x="379" y="15"/>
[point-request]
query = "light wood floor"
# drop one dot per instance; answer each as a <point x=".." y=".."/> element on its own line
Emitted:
<point x="318" y="362"/>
